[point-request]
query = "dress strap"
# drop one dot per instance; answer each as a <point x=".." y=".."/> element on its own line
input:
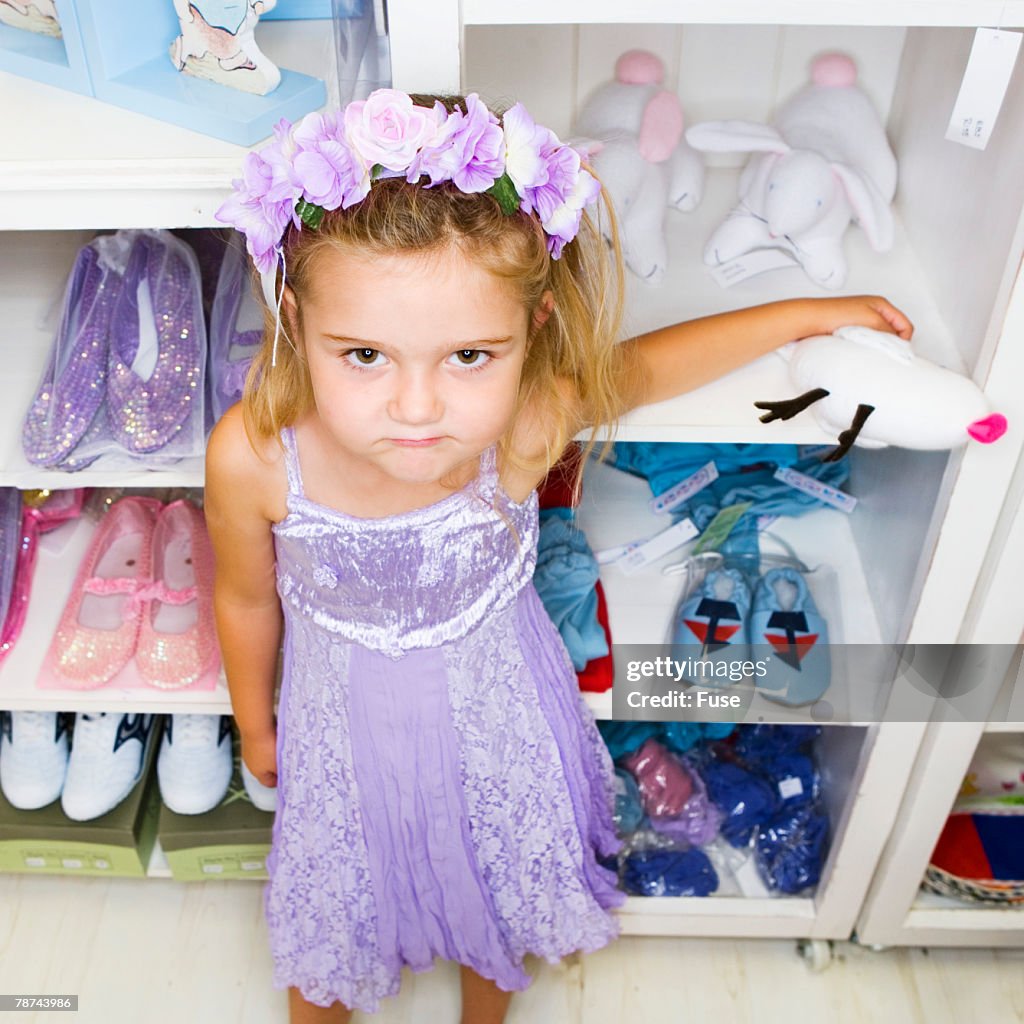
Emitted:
<point x="488" y="478"/>
<point x="291" y="461"/>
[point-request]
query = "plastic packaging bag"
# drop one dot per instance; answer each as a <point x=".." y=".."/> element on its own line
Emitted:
<point x="125" y="376"/>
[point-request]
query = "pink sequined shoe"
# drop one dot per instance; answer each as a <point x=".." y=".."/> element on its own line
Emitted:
<point x="99" y="626"/>
<point x="177" y="639"/>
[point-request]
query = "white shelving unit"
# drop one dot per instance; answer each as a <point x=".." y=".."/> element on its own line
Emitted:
<point x="909" y="557"/>
<point x="916" y="560"/>
<point x="897" y="912"/>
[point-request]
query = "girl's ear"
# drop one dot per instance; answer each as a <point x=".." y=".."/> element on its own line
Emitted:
<point x="544" y="309"/>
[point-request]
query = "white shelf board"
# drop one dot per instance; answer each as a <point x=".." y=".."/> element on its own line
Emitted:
<point x="78" y="162"/>
<point x="931" y="911"/>
<point x="717" y="916"/>
<point x="753" y="12"/>
<point x="60" y="553"/>
<point x="614" y="510"/>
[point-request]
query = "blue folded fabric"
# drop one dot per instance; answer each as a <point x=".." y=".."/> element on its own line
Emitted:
<point x="790" y="849"/>
<point x="669" y="873"/>
<point x="757" y="743"/>
<point x="565" y="577"/>
<point x="746" y="473"/>
<point x="746" y="799"/>
<point x="629" y="812"/>
<point x="623" y="738"/>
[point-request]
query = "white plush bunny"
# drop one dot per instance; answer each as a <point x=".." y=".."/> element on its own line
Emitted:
<point x="872" y="390"/>
<point x="633" y="133"/>
<point x="825" y="161"/>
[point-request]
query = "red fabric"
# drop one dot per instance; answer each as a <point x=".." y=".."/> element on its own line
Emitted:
<point x="555" y="490"/>
<point x="959" y="850"/>
<point x="598" y="674"/>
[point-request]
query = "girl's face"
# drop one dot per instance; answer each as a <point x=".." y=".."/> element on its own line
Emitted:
<point x="414" y="360"/>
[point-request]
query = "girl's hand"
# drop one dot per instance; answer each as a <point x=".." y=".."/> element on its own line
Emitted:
<point x="860" y="311"/>
<point x="259" y="752"/>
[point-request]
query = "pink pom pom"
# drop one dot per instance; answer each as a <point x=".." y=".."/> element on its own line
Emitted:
<point x="990" y="429"/>
<point x="639" y="67"/>
<point x="834" y="71"/>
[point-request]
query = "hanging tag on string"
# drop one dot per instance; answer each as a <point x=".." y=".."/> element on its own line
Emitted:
<point x="983" y="88"/>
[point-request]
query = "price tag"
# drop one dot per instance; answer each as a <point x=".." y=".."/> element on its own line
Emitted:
<point x="756" y="262"/>
<point x="685" y="489"/>
<point x="816" y="489"/>
<point x="790" y="787"/>
<point x="983" y="87"/>
<point x="660" y="544"/>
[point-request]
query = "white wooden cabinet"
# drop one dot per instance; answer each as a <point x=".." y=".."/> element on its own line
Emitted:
<point x="913" y="562"/>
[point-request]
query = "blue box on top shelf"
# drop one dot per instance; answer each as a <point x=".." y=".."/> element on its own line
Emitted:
<point x="127" y="44"/>
<point x="54" y="60"/>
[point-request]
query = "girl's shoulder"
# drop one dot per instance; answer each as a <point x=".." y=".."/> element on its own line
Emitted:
<point x="251" y="473"/>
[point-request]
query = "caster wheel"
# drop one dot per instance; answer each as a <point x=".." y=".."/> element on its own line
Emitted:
<point x="816" y="953"/>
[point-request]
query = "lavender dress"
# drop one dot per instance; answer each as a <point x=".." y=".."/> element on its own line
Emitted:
<point x="442" y="788"/>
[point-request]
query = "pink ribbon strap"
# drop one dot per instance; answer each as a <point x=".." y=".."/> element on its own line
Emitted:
<point x="138" y="590"/>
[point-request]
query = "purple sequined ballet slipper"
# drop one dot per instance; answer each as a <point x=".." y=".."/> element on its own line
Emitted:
<point x="236" y="329"/>
<point x="157" y="348"/>
<point x="70" y="395"/>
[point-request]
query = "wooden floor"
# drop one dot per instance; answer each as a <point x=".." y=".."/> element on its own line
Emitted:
<point x="154" y="951"/>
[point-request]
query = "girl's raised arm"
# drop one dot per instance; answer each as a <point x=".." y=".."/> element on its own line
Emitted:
<point x="688" y="355"/>
<point x="246" y="604"/>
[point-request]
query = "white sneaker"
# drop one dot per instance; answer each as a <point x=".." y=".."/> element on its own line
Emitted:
<point x="107" y="754"/>
<point x="33" y="757"/>
<point x="264" y="798"/>
<point x="195" y="762"/>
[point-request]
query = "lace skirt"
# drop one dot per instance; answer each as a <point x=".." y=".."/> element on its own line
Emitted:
<point x="450" y="803"/>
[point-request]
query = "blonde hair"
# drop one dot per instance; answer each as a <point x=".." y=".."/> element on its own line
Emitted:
<point x="576" y="345"/>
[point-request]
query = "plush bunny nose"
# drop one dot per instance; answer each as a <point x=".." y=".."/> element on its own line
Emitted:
<point x="990" y="429"/>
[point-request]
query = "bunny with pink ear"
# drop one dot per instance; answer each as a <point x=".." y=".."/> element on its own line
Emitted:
<point x="632" y="130"/>
<point x="825" y="162"/>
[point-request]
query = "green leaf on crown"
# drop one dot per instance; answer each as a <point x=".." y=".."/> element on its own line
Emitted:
<point x="375" y="171"/>
<point x="505" y="192"/>
<point x="309" y="213"/>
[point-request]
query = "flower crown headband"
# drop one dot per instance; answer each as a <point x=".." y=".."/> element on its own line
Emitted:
<point x="327" y="161"/>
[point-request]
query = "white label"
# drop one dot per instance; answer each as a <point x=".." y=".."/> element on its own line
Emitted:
<point x="101" y="863"/>
<point x="685" y="489"/>
<point x="756" y="262"/>
<point x="660" y="544"/>
<point x="606" y="555"/>
<point x="213" y="869"/>
<point x="816" y="489"/>
<point x="146" y="354"/>
<point x="984" y="85"/>
<point x="791" y="787"/>
<point x="35" y="862"/>
<point x="252" y="865"/>
<point x="71" y="862"/>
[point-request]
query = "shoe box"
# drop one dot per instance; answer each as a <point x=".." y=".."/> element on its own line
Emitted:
<point x="118" y="843"/>
<point x="231" y="841"/>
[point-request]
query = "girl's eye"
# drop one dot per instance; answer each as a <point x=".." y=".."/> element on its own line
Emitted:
<point x="472" y="357"/>
<point x="362" y="356"/>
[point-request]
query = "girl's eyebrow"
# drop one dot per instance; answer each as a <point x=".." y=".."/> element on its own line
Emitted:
<point x="455" y="345"/>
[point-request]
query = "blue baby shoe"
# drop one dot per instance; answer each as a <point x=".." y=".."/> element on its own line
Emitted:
<point x="789" y="639"/>
<point x="711" y="627"/>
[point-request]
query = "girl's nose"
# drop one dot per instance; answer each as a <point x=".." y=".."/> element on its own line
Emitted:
<point x="415" y="400"/>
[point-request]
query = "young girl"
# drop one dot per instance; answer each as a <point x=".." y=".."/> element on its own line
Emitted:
<point x="433" y="342"/>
